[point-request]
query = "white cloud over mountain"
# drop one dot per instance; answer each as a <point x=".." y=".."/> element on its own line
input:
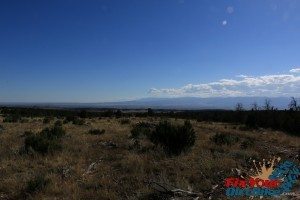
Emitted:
<point x="295" y="70"/>
<point x="285" y="85"/>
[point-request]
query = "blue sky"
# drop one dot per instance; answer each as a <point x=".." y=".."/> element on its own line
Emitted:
<point x="95" y="51"/>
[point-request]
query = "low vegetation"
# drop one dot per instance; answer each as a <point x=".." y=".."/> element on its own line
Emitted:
<point x="224" y="139"/>
<point x="96" y="131"/>
<point x="265" y="116"/>
<point x="48" y="140"/>
<point x="38" y="183"/>
<point x="174" y="139"/>
<point x="63" y="160"/>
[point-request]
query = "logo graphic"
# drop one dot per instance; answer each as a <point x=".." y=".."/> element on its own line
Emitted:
<point x="265" y="180"/>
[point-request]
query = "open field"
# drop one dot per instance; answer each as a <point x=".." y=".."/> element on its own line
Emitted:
<point x="113" y="165"/>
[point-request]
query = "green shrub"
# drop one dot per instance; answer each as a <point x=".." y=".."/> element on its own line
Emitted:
<point x="224" y="139"/>
<point x="141" y="129"/>
<point x="58" y="123"/>
<point x="45" y="141"/>
<point x="248" y="142"/>
<point x="174" y="139"/>
<point x="251" y="121"/>
<point x="78" y="121"/>
<point x="47" y="120"/>
<point x="13" y="118"/>
<point x="38" y="183"/>
<point x="96" y="131"/>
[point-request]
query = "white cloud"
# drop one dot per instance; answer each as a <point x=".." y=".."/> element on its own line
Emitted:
<point x="241" y="76"/>
<point x="224" y="23"/>
<point x="230" y="9"/>
<point x="295" y="70"/>
<point x="268" y="85"/>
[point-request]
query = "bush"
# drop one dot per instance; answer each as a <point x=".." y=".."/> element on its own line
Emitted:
<point x="174" y="139"/>
<point x="78" y="121"/>
<point x="140" y="130"/>
<point x="47" y="120"/>
<point x="251" y="121"/>
<point x="248" y="142"/>
<point x="45" y="141"/>
<point x="58" y="123"/>
<point x="96" y="131"/>
<point x="38" y="183"/>
<point x="12" y="118"/>
<point x="125" y="121"/>
<point x="224" y="139"/>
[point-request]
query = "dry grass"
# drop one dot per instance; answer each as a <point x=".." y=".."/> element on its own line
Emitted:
<point x="108" y="166"/>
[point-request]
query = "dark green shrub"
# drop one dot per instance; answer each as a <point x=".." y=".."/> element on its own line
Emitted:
<point x="251" y="121"/>
<point x="118" y="114"/>
<point x="224" y="139"/>
<point x="47" y="120"/>
<point x="45" y="141"/>
<point x="55" y="132"/>
<point x="78" y="121"/>
<point x="38" y="183"/>
<point x="174" y="139"/>
<point x="141" y="129"/>
<point x="248" y="142"/>
<point x="96" y="131"/>
<point x="58" y="123"/>
<point x="150" y="112"/>
<point x="68" y="119"/>
<point x="13" y="118"/>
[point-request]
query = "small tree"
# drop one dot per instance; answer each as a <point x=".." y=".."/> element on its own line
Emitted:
<point x="268" y="105"/>
<point x="239" y="107"/>
<point x="150" y="111"/>
<point x="255" y="106"/>
<point x="293" y="104"/>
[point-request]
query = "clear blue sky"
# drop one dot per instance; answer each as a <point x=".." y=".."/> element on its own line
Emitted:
<point x="94" y="51"/>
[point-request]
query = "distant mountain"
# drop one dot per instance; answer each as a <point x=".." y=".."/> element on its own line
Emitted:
<point x="171" y="103"/>
<point x="197" y="103"/>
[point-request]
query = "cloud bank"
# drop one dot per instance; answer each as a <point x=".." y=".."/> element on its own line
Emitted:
<point x="295" y="70"/>
<point x="280" y="85"/>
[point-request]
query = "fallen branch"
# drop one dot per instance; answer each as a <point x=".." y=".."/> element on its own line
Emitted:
<point x="172" y="191"/>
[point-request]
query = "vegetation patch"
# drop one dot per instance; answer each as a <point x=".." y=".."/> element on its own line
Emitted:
<point x="48" y="140"/>
<point x="174" y="139"/>
<point x="97" y="131"/>
<point x="141" y="130"/>
<point x="47" y="120"/>
<point x="13" y="118"/>
<point x="125" y="121"/>
<point x="224" y="139"/>
<point x="247" y="142"/>
<point x="38" y="183"/>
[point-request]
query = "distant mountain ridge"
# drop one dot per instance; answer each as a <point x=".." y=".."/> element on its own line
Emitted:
<point x="172" y="103"/>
